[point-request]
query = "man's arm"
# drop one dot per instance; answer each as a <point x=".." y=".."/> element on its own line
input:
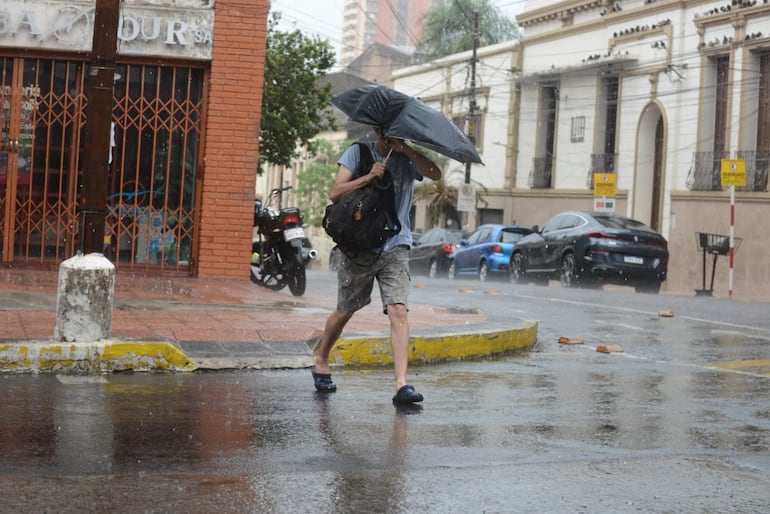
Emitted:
<point x="344" y="183"/>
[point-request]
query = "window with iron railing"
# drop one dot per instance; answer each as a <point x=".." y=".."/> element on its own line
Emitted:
<point x="705" y="171"/>
<point x="600" y="163"/>
<point x="720" y="106"/>
<point x="610" y="106"/>
<point x="540" y="176"/>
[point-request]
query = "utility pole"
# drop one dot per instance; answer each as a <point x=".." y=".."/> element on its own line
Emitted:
<point x="95" y="159"/>
<point x="472" y="102"/>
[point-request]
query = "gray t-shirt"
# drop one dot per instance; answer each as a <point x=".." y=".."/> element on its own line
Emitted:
<point x="403" y="173"/>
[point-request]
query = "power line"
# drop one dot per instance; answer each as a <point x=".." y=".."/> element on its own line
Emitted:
<point x="401" y="22"/>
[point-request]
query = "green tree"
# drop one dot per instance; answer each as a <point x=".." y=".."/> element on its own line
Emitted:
<point x="315" y="182"/>
<point x="294" y="106"/>
<point x="448" y="27"/>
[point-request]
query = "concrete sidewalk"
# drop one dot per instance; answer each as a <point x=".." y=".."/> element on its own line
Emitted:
<point x="184" y="324"/>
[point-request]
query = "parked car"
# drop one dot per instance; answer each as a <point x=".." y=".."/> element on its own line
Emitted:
<point x="430" y="252"/>
<point x="586" y="249"/>
<point x="486" y="251"/>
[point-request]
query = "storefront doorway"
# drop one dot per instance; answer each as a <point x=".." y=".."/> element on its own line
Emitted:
<point x="40" y="119"/>
<point x="154" y="177"/>
<point x="153" y="167"/>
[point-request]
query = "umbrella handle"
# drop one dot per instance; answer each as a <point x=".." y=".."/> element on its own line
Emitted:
<point x="384" y="181"/>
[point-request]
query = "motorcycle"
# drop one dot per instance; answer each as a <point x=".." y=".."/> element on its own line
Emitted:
<point x="280" y="254"/>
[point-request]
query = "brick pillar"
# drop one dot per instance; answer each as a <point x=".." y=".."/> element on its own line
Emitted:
<point x="232" y="131"/>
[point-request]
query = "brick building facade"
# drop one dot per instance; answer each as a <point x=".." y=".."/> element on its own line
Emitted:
<point x="187" y="105"/>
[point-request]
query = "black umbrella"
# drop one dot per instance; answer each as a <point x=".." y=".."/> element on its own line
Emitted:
<point x="406" y="117"/>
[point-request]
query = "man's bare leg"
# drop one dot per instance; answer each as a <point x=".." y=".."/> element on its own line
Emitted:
<point x="399" y="341"/>
<point x="332" y="330"/>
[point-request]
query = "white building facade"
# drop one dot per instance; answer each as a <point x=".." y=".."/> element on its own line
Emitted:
<point x="446" y="85"/>
<point x="657" y="92"/>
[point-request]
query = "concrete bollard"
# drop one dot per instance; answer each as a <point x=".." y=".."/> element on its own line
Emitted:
<point x="84" y="299"/>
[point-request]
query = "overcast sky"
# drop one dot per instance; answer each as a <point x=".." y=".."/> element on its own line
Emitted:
<point x="324" y="17"/>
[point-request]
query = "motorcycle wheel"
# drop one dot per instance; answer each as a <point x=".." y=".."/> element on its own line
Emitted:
<point x="296" y="278"/>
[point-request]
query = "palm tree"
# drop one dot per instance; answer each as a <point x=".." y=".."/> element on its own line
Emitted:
<point x="447" y="27"/>
<point x="442" y="200"/>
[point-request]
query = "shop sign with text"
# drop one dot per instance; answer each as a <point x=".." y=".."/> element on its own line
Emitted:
<point x="184" y="31"/>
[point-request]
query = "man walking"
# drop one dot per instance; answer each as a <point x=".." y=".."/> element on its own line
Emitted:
<point x="390" y="266"/>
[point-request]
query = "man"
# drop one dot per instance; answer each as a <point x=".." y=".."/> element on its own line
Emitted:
<point x="356" y="274"/>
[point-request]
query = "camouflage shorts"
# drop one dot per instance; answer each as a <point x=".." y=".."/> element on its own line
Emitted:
<point x="355" y="279"/>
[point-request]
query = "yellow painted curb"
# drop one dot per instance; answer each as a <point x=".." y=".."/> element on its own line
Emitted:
<point x="375" y="351"/>
<point x="100" y="356"/>
<point x="145" y="356"/>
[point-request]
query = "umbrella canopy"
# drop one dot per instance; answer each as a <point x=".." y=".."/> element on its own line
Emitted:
<point x="406" y="117"/>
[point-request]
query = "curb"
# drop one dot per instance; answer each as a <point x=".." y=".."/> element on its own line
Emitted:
<point x="97" y="357"/>
<point x="375" y="350"/>
<point x="156" y="356"/>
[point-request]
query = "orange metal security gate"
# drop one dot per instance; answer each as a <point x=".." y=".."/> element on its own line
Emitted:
<point x="152" y="179"/>
<point x="157" y="134"/>
<point x="41" y="117"/>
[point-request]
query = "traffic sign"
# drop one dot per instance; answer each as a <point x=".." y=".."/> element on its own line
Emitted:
<point x="466" y="198"/>
<point x="733" y="172"/>
<point x="604" y="184"/>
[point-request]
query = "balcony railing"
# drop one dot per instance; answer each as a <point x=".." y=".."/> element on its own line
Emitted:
<point x="706" y="170"/>
<point x="540" y="176"/>
<point x="757" y="164"/>
<point x="600" y="163"/>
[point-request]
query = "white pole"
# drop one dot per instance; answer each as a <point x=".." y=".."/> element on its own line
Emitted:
<point x="732" y="242"/>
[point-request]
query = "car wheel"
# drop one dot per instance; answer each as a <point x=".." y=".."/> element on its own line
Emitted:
<point x="483" y="271"/>
<point x="432" y="268"/>
<point x="648" y="287"/>
<point x="568" y="271"/>
<point x="452" y="270"/>
<point x="516" y="269"/>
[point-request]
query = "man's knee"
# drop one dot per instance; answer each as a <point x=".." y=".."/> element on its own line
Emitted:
<point x="396" y="310"/>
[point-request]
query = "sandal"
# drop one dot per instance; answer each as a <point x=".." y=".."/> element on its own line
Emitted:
<point x="407" y="394"/>
<point x="323" y="381"/>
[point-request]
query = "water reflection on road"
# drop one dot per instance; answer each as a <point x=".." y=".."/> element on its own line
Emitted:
<point x="679" y="421"/>
<point x="600" y="431"/>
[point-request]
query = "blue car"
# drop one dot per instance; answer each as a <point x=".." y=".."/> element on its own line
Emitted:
<point x="486" y="251"/>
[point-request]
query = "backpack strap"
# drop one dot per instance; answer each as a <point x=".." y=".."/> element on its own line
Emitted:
<point x="365" y="160"/>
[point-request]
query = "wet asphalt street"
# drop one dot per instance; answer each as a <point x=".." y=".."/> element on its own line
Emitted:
<point x="678" y="422"/>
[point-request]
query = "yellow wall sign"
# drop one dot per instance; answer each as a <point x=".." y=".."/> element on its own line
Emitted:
<point x="604" y="184"/>
<point x="733" y="172"/>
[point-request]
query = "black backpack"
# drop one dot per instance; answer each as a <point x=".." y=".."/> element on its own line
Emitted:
<point x="365" y="218"/>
